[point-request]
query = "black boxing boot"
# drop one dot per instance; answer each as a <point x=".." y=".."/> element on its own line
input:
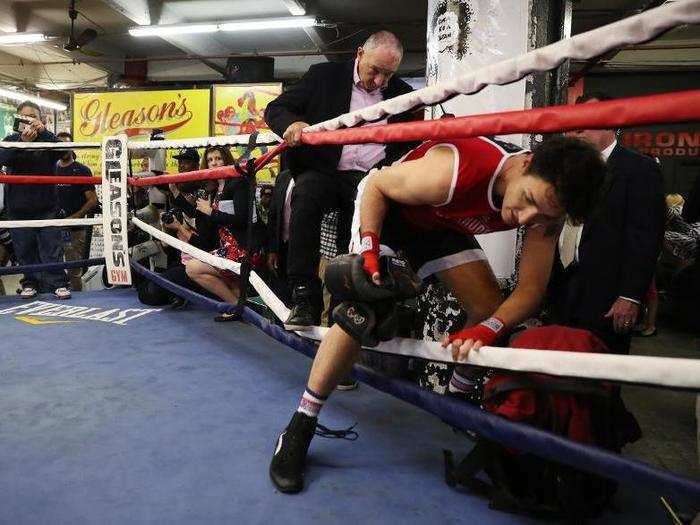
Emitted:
<point x="287" y="465"/>
<point x="305" y="311"/>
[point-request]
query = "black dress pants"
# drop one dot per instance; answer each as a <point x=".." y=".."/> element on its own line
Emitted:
<point x="315" y="194"/>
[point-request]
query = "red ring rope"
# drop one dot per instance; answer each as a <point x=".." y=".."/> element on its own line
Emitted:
<point x="681" y="106"/>
<point x="48" y="179"/>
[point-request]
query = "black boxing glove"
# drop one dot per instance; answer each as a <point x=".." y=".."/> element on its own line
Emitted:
<point x="386" y="320"/>
<point x="357" y="319"/>
<point x="346" y="280"/>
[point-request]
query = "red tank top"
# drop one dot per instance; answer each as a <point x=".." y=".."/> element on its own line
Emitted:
<point x="469" y="208"/>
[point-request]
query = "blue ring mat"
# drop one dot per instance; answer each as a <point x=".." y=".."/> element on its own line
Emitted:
<point x="173" y="418"/>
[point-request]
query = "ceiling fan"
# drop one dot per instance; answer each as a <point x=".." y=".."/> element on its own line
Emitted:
<point x="78" y="43"/>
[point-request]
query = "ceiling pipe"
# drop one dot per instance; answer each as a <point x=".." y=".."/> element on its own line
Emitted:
<point x="174" y="58"/>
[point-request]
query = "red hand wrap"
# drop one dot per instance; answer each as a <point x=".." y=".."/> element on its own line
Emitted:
<point x="486" y="331"/>
<point x="369" y="249"/>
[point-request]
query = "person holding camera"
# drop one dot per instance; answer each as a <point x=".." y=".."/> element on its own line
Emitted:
<point x="226" y="212"/>
<point x="180" y="220"/>
<point x="34" y="201"/>
<point x="76" y="202"/>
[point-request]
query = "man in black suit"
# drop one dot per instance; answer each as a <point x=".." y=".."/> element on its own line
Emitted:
<point x="604" y="267"/>
<point x="326" y="177"/>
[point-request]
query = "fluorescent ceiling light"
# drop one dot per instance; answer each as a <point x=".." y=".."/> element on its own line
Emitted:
<point x="176" y="29"/>
<point x="295" y="7"/>
<point x="21" y="96"/>
<point x="240" y="25"/>
<point x="278" y="23"/>
<point x="21" y="38"/>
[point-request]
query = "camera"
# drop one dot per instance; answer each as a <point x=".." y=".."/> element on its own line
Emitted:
<point x="169" y="216"/>
<point x="202" y="194"/>
<point x="21" y="123"/>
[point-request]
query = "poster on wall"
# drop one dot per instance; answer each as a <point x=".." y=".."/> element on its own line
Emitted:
<point x="180" y="113"/>
<point x="239" y="109"/>
<point x="7" y="119"/>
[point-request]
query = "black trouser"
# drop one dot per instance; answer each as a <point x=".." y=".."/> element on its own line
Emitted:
<point x="314" y="195"/>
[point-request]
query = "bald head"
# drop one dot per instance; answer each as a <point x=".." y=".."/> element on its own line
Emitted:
<point x="378" y="59"/>
<point x="386" y="40"/>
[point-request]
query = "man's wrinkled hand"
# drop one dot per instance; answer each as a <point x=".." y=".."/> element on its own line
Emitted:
<point x="292" y="135"/>
<point x="624" y="314"/>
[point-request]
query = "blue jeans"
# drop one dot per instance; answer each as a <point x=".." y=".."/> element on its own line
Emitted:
<point x="36" y="246"/>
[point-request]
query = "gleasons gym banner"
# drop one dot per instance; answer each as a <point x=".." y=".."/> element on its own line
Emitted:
<point x="114" y="210"/>
<point x="181" y="113"/>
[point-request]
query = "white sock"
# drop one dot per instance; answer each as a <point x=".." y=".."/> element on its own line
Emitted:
<point x="460" y="384"/>
<point x="311" y="403"/>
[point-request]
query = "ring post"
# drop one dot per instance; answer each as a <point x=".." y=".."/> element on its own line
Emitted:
<point x="114" y="212"/>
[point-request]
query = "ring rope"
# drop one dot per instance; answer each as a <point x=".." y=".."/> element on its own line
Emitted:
<point x="191" y="296"/>
<point x="48" y="179"/>
<point x="647" y="370"/>
<point x="213" y="260"/>
<point x="673" y="107"/>
<point x="63" y="265"/>
<point x="521" y="437"/>
<point x="50" y="145"/>
<point x="87" y="221"/>
<point x="632" y="30"/>
<point x="263" y="139"/>
<point x="681" y="106"/>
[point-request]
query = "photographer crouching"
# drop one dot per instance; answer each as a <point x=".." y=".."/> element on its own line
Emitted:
<point x="187" y="224"/>
<point x="33" y="202"/>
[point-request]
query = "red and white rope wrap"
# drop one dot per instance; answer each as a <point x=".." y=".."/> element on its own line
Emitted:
<point x="633" y="30"/>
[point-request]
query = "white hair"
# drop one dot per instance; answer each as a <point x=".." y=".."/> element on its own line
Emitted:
<point x="383" y="39"/>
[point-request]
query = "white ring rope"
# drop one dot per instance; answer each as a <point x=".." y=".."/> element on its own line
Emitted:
<point x="663" y="371"/>
<point x="88" y="221"/>
<point x="213" y="260"/>
<point x="51" y="145"/>
<point x="633" y="30"/>
<point x="263" y="139"/>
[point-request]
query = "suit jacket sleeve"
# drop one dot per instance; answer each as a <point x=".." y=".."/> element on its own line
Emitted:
<point x="644" y="225"/>
<point x="291" y="105"/>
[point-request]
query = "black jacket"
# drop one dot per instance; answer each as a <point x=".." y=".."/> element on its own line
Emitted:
<point x="618" y="249"/>
<point x="276" y="216"/>
<point x="323" y="93"/>
<point x="29" y="201"/>
<point x="236" y="192"/>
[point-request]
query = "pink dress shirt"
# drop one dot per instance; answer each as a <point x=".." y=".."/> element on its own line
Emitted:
<point x="362" y="157"/>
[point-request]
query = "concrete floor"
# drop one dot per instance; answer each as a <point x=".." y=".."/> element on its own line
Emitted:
<point x="667" y="417"/>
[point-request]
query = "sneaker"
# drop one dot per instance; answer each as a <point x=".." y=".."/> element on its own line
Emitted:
<point x="287" y="465"/>
<point x="28" y="292"/>
<point x="62" y="293"/>
<point x="347" y="384"/>
<point x="303" y="314"/>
